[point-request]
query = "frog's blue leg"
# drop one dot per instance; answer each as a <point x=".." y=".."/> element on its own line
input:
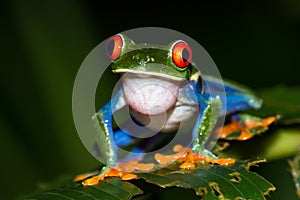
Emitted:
<point x="122" y="135"/>
<point x="237" y="97"/>
<point x="122" y="138"/>
<point x="103" y="119"/>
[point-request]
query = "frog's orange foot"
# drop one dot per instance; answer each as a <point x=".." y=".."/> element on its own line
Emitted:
<point x="123" y="170"/>
<point x="192" y="159"/>
<point x="246" y="128"/>
<point x="112" y="172"/>
<point x="189" y="159"/>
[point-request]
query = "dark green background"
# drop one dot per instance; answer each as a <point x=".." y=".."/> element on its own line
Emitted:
<point x="44" y="42"/>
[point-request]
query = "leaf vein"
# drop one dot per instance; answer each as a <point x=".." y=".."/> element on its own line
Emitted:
<point x="82" y="192"/>
<point x="58" y="194"/>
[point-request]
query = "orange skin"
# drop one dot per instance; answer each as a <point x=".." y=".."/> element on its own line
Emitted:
<point x="245" y="135"/>
<point x="110" y="173"/>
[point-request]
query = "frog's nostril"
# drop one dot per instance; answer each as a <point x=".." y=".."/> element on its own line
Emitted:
<point x="136" y="57"/>
<point x="142" y="59"/>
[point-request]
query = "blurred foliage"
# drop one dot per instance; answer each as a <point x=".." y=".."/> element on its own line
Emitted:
<point x="295" y="171"/>
<point x="44" y="43"/>
<point x="282" y="101"/>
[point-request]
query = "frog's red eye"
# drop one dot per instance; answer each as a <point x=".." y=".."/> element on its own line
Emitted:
<point x="181" y="54"/>
<point x="114" y="46"/>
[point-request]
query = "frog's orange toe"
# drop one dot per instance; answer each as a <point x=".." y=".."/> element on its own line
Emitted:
<point x="266" y="122"/>
<point x="113" y="173"/>
<point x="127" y="177"/>
<point x="80" y="177"/>
<point x="177" y="148"/>
<point x="179" y="154"/>
<point x="92" y="181"/>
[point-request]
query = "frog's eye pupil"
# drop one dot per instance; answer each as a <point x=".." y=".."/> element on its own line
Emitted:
<point x="181" y="54"/>
<point x="185" y="55"/>
<point x="114" y="47"/>
<point x="110" y="47"/>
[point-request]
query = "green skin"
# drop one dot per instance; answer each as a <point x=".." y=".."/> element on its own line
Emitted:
<point x="156" y="62"/>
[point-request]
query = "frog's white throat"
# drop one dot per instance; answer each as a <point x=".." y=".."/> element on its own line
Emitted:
<point x="149" y="95"/>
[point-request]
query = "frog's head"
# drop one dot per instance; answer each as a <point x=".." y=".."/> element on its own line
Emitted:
<point x="151" y="74"/>
<point x="172" y="61"/>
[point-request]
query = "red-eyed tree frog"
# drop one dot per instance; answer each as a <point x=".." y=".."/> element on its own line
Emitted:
<point x="162" y="81"/>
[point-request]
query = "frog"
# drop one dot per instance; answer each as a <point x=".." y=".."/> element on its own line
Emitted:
<point x="163" y="80"/>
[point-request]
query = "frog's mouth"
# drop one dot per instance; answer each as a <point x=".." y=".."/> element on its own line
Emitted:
<point x="157" y="74"/>
<point x="149" y="94"/>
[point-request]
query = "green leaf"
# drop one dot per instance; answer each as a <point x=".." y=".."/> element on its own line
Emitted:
<point x="208" y="181"/>
<point x="108" y="189"/>
<point x="214" y="181"/>
<point x="281" y="100"/>
<point x="277" y="143"/>
<point x="295" y="170"/>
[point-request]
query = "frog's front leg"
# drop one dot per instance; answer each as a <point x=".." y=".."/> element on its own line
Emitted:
<point x="103" y="122"/>
<point x="108" y="145"/>
<point x="206" y="121"/>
